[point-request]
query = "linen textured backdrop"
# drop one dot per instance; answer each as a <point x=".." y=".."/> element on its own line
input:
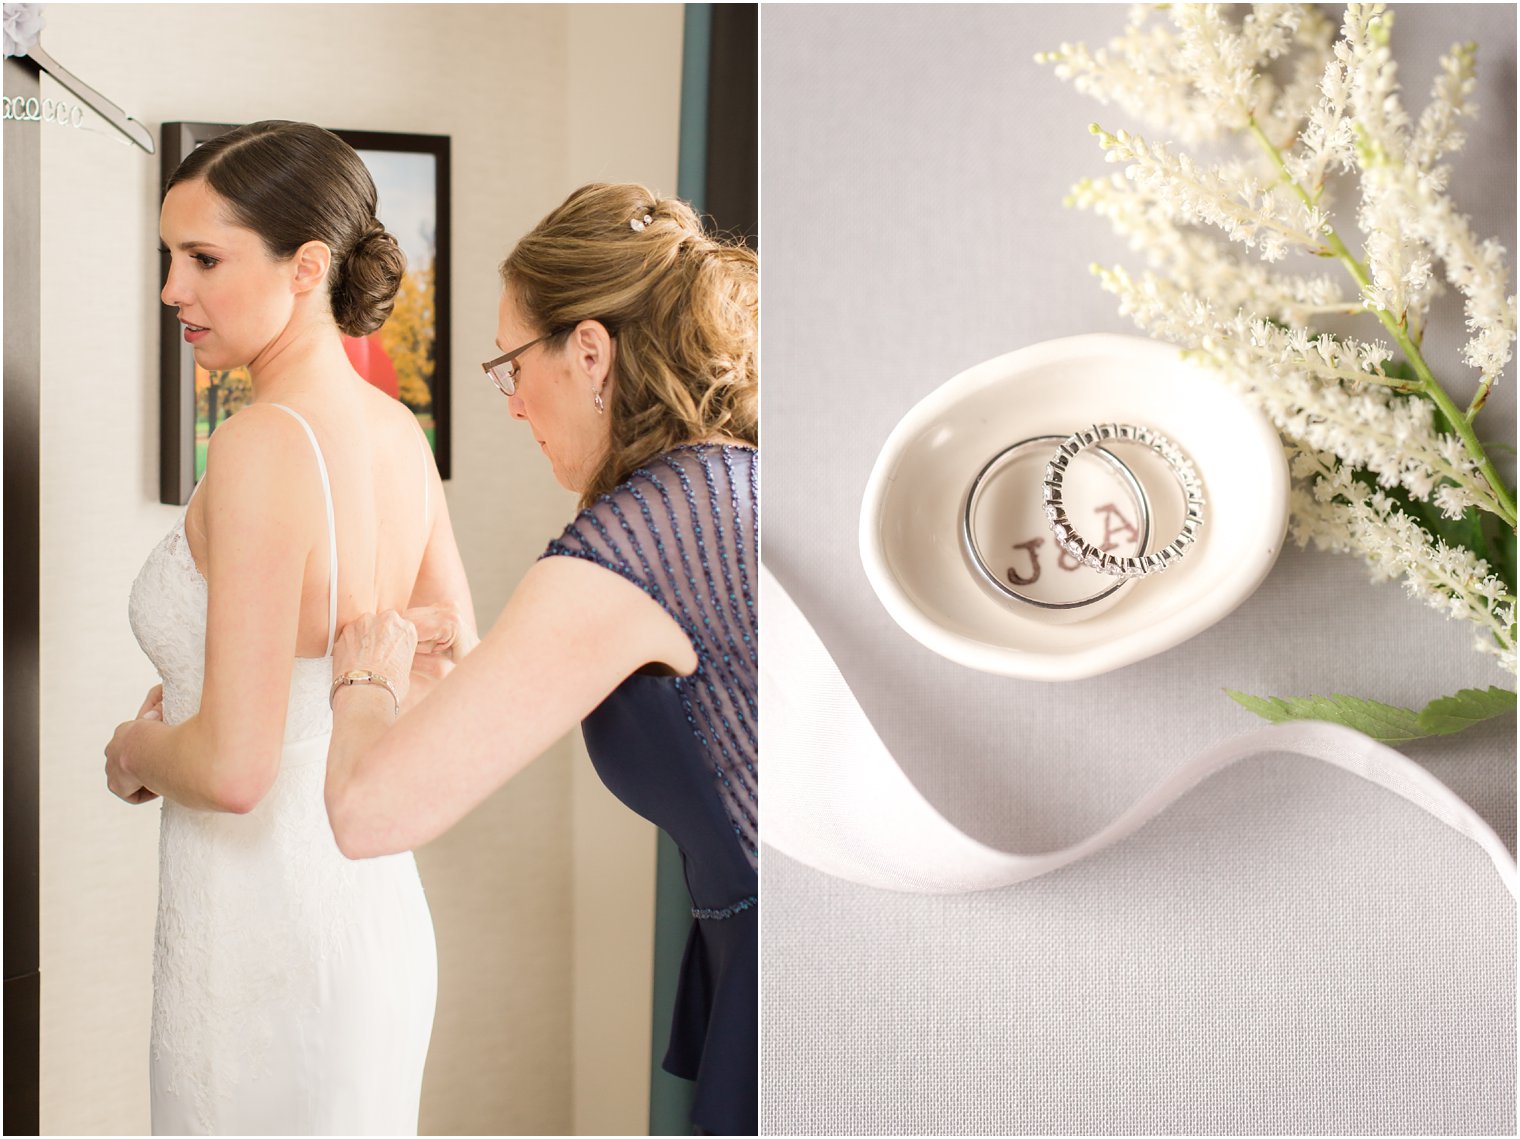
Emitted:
<point x="1289" y="948"/>
<point x="542" y="899"/>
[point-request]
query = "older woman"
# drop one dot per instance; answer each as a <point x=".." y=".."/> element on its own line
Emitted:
<point x="628" y="342"/>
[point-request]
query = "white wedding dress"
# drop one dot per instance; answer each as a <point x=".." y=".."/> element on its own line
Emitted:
<point x="293" y="989"/>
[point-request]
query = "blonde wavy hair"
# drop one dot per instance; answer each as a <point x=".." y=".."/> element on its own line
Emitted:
<point x="682" y="306"/>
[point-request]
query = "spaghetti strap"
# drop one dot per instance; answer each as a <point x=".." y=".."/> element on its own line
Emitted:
<point x="332" y="531"/>
<point x="427" y="483"/>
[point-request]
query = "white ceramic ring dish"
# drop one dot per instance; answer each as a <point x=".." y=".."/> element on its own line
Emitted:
<point x="911" y="516"/>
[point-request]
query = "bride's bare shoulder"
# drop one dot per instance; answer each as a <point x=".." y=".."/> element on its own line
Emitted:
<point x="259" y="439"/>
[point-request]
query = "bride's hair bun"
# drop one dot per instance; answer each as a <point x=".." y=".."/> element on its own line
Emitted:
<point x="295" y="182"/>
<point x="365" y="285"/>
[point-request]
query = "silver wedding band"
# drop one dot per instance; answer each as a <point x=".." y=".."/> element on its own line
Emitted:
<point x="1066" y="533"/>
<point x="996" y="464"/>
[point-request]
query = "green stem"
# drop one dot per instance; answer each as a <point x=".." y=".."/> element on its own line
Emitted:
<point x="1503" y="503"/>
<point x="1480" y="398"/>
<point x="1331" y="310"/>
<point x="1460" y="423"/>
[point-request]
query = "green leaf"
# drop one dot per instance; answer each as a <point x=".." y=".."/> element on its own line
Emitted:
<point x="1401" y="369"/>
<point x="1471" y="705"/>
<point x="1380" y="721"/>
<point x="1384" y="722"/>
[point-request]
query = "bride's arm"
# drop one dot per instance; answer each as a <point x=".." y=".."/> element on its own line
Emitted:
<point x="569" y="635"/>
<point x="441" y="584"/>
<point x="258" y="508"/>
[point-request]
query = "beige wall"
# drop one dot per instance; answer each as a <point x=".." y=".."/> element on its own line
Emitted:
<point x="541" y="898"/>
<point x="614" y="860"/>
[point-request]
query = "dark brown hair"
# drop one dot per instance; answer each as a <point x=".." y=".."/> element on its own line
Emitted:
<point x="294" y="182"/>
<point x="684" y="308"/>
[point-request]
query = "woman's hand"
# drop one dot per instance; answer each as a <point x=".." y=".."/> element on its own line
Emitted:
<point x="380" y="642"/>
<point x="119" y="780"/>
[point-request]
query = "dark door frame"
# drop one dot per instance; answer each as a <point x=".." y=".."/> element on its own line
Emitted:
<point x="23" y="353"/>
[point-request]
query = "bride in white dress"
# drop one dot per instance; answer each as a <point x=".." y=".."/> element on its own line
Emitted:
<point x="293" y="989"/>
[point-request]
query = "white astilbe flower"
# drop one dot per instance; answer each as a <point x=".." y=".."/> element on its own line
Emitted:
<point x="1379" y="428"/>
<point x="1339" y="513"/>
<point x="1300" y="381"/>
<point x="1259" y="216"/>
<point x="1363" y="50"/>
<point x="1223" y="64"/>
<point x="1328" y="141"/>
<point x="1399" y="262"/>
<point x="1407" y="218"/>
<point x="1478" y="271"/>
<point x="1193" y="261"/>
<point x="1364" y="78"/>
<point x="1438" y="132"/>
<point x="1410" y="223"/>
<point x="1139" y="73"/>
<point x="1301" y="94"/>
<point x="1200" y="77"/>
<point x="1266" y="33"/>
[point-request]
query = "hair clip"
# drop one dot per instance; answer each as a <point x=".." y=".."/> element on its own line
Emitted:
<point x="636" y="225"/>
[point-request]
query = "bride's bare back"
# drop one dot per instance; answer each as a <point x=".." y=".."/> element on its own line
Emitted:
<point x="395" y="546"/>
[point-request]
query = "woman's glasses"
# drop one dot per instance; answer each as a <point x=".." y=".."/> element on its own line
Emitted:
<point x="503" y="369"/>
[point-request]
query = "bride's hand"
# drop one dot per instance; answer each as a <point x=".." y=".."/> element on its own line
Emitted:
<point x="119" y="781"/>
<point x="381" y="642"/>
<point x="153" y="705"/>
<point x="438" y="630"/>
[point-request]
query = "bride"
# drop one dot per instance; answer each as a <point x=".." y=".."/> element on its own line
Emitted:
<point x="293" y="989"/>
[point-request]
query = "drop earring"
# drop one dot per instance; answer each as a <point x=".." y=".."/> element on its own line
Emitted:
<point x="596" y="398"/>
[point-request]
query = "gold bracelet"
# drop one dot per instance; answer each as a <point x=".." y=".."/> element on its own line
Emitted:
<point x="363" y="676"/>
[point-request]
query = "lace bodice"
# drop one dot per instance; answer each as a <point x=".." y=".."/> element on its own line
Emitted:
<point x="168" y="615"/>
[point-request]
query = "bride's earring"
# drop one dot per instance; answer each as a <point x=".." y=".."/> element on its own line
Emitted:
<point x="596" y="398"/>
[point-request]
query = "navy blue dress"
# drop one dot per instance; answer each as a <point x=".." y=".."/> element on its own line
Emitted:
<point x="682" y="751"/>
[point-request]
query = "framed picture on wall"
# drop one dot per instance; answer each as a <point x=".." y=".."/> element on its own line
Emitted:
<point x="407" y="357"/>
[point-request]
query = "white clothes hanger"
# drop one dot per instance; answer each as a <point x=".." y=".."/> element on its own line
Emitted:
<point x="114" y="115"/>
<point x="28" y="22"/>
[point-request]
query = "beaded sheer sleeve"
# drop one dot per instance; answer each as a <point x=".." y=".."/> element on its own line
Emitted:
<point x="684" y="528"/>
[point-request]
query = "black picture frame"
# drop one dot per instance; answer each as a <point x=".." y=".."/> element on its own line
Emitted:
<point x="177" y="392"/>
